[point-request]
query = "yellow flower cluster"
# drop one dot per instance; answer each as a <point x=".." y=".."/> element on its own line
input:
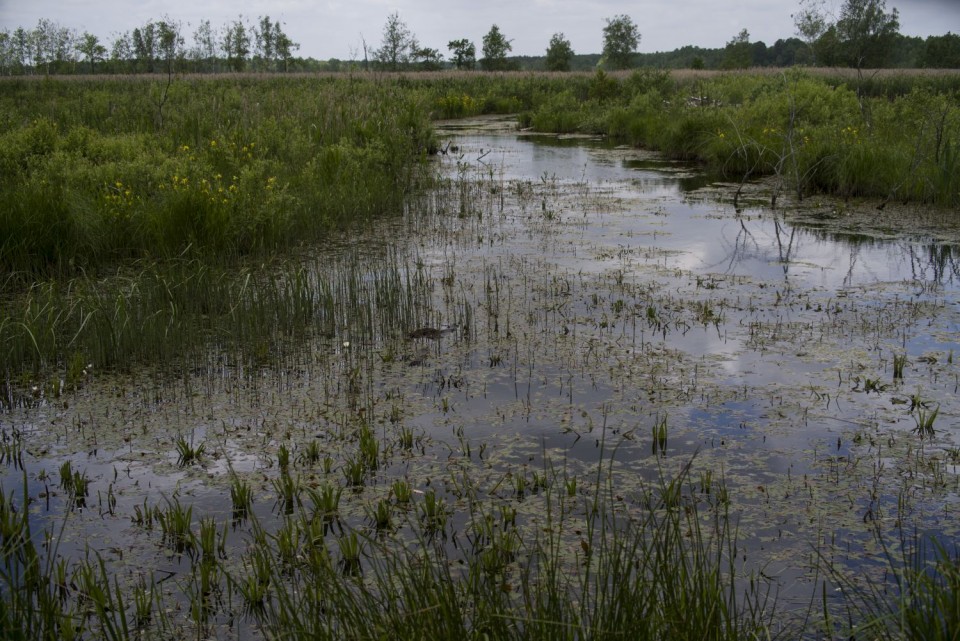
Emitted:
<point x="243" y="152"/>
<point x="457" y="104"/>
<point x="215" y="189"/>
<point x="850" y="134"/>
<point x="119" y="199"/>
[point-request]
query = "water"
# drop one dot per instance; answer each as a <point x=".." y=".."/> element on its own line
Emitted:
<point x="587" y="293"/>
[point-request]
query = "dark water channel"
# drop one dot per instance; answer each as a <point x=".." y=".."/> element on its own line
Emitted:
<point x="583" y="294"/>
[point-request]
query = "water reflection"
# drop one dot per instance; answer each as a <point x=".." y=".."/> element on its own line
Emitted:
<point x="758" y="242"/>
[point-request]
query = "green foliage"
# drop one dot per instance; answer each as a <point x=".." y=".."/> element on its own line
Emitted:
<point x="464" y="53"/>
<point x="941" y="52"/>
<point x="559" y="53"/>
<point x="495" y="50"/>
<point x="397" y="44"/>
<point x="738" y="54"/>
<point x="620" y="40"/>
<point x="867" y="32"/>
<point x="812" y="132"/>
<point x="88" y="179"/>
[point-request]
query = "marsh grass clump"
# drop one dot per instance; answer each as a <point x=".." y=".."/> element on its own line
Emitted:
<point x="433" y="513"/>
<point x="899" y="361"/>
<point x="11" y="449"/>
<point x="925" y="418"/>
<point x="659" y="433"/>
<point x="369" y="447"/>
<point x="311" y="455"/>
<point x="176" y="523"/>
<point x="355" y="471"/>
<point x="381" y="515"/>
<point x="288" y="490"/>
<point x="406" y="438"/>
<point x="283" y="458"/>
<point x="351" y="547"/>
<point x="326" y="504"/>
<point x="187" y="452"/>
<point x="241" y="498"/>
<point x="401" y="491"/>
<point x="75" y="484"/>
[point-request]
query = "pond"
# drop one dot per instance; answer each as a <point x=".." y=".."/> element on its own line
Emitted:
<point x="559" y="306"/>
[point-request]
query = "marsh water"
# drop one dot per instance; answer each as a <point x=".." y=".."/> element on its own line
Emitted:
<point x="565" y="298"/>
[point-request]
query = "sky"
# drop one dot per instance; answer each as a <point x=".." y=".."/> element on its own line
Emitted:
<point x="337" y="28"/>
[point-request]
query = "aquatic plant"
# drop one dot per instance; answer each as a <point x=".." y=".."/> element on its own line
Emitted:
<point x="187" y="453"/>
<point x="326" y="503"/>
<point x="402" y="491"/>
<point x="176" y="523"/>
<point x="241" y="498"/>
<point x="899" y="361"/>
<point x="351" y="548"/>
<point x="288" y="492"/>
<point x="925" y="419"/>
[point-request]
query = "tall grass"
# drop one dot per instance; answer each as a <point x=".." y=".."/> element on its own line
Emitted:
<point x="185" y="312"/>
<point x="920" y="601"/>
<point x="885" y="137"/>
<point x="90" y="174"/>
<point x="661" y="575"/>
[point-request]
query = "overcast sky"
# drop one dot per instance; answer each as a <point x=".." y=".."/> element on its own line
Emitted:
<point x="335" y="28"/>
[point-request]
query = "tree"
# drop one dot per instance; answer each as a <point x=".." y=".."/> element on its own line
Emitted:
<point x="867" y="32"/>
<point x="265" y="41"/>
<point x="204" y="51"/>
<point x="559" y="53"/>
<point x="495" y="50"/>
<point x="121" y="53"/>
<point x="169" y="43"/>
<point x="6" y="52"/>
<point x="425" y="58"/>
<point x="828" y="50"/>
<point x="738" y="54"/>
<point x="145" y="45"/>
<point x="464" y="53"/>
<point x="20" y="48"/>
<point x="394" y="51"/>
<point x="284" y="46"/>
<point x="236" y="45"/>
<point x="41" y="43"/>
<point x="620" y="39"/>
<point x="811" y="23"/>
<point x="941" y="52"/>
<point x="90" y="47"/>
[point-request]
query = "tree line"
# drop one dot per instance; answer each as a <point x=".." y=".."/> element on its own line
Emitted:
<point x="158" y="46"/>
<point x="862" y="35"/>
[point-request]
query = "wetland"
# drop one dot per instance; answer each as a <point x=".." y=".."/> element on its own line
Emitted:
<point x="571" y="390"/>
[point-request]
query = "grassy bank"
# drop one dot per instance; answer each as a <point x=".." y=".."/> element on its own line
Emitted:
<point x="96" y="172"/>
<point x="136" y="214"/>
<point x="891" y="136"/>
